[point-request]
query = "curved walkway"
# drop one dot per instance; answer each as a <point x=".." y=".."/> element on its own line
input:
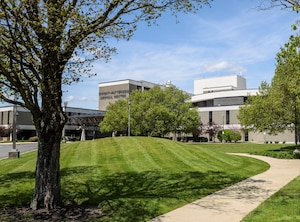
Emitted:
<point x="235" y="202"/>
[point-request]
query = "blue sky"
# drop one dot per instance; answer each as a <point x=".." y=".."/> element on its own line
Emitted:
<point x="230" y="37"/>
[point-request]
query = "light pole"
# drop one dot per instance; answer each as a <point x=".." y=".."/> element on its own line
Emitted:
<point x="14" y="128"/>
<point x="129" y="103"/>
<point x="14" y="152"/>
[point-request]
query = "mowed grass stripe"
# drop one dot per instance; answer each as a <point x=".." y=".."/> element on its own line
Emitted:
<point x="161" y="155"/>
<point x="13" y="165"/>
<point x="129" y="155"/>
<point x="132" y="178"/>
<point x="136" y="154"/>
<point x="69" y="152"/>
<point x="115" y="155"/>
<point x="186" y="158"/>
<point x="231" y="163"/>
<point x="110" y="157"/>
<point x="222" y="161"/>
<point x="149" y="153"/>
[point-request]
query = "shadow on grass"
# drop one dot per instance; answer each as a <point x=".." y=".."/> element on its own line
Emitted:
<point x="134" y="196"/>
<point x="12" y="189"/>
<point x="285" y="152"/>
<point x="128" y="196"/>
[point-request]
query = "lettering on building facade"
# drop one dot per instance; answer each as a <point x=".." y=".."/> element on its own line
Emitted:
<point x="117" y="94"/>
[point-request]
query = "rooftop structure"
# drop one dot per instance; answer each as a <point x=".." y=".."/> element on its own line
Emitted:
<point x="219" y="84"/>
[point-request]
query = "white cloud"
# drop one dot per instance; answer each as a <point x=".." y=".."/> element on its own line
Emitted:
<point x="83" y="98"/>
<point x="69" y="98"/>
<point x="223" y="66"/>
<point x="242" y="40"/>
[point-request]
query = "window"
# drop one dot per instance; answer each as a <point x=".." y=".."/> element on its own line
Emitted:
<point x="8" y="115"/>
<point x="246" y="136"/>
<point x="210" y="117"/>
<point x="227" y="117"/>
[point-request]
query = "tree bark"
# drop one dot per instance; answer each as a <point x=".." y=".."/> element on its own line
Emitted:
<point x="49" y="121"/>
<point x="47" y="193"/>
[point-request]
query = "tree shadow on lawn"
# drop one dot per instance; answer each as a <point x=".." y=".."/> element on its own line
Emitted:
<point x="128" y="196"/>
<point x="12" y="191"/>
<point x="140" y="196"/>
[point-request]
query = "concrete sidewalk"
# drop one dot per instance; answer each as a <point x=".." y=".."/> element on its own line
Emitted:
<point x="232" y="204"/>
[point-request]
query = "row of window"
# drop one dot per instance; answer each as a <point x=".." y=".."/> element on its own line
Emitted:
<point x="227" y="116"/>
<point x="7" y="119"/>
<point x="230" y="101"/>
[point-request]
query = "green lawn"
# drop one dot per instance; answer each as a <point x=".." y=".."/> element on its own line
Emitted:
<point x="282" y="206"/>
<point x="135" y="178"/>
<point x="245" y="147"/>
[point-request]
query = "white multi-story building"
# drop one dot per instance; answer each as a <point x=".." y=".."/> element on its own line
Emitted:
<point x="219" y="99"/>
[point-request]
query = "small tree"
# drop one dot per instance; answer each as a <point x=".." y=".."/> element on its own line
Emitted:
<point x="4" y="131"/>
<point x="115" y="119"/>
<point x="190" y="121"/>
<point x="198" y="131"/>
<point x="212" y="130"/>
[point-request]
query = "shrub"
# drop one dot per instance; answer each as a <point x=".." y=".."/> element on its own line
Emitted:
<point x="296" y="155"/>
<point x="33" y="139"/>
<point x="229" y="136"/>
<point x="279" y="154"/>
<point x="203" y="139"/>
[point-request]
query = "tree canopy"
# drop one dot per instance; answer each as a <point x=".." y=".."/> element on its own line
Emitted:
<point x="258" y="113"/>
<point x="47" y="43"/>
<point x="275" y="108"/>
<point x="286" y="4"/>
<point x="154" y="112"/>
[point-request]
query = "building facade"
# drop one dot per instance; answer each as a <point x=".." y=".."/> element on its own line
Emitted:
<point x="109" y="92"/>
<point x="25" y="128"/>
<point x="219" y="99"/>
<point x="79" y="120"/>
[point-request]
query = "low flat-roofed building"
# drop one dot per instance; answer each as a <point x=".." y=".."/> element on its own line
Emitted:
<point x="77" y="119"/>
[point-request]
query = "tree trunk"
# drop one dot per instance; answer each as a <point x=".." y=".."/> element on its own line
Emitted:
<point x="49" y="120"/>
<point x="47" y="185"/>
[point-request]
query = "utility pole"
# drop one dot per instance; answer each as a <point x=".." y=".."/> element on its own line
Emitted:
<point x="14" y="152"/>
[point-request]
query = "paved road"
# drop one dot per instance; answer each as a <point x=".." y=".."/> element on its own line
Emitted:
<point x="22" y="147"/>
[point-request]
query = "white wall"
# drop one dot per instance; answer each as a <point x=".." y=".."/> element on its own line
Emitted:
<point x="222" y="83"/>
